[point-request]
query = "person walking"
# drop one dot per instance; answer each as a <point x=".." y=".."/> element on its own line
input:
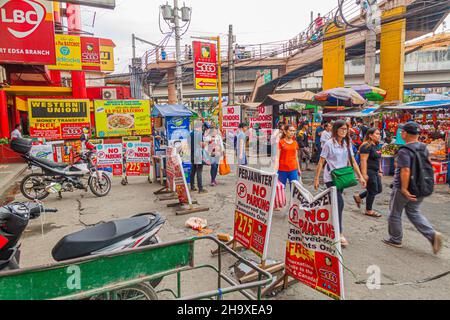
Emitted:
<point x="275" y="138"/>
<point x="317" y="144"/>
<point x="196" y="146"/>
<point x="370" y="154"/>
<point x="215" y="151"/>
<point x="303" y="143"/>
<point x="241" y="139"/>
<point x="401" y="196"/>
<point x="287" y="164"/>
<point x="337" y="153"/>
<point x="326" y="135"/>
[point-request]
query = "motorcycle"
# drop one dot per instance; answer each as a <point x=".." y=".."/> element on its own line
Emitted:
<point x="137" y="231"/>
<point x="61" y="177"/>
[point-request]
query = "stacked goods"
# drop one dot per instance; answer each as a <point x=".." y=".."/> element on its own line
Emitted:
<point x="437" y="149"/>
<point x="389" y="150"/>
<point x="440" y="172"/>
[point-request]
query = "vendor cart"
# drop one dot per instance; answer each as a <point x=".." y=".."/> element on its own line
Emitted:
<point x="127" y="275"/>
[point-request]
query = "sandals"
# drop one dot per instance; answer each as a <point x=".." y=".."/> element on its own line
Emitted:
<point x="374" y="214"/>
<point x="344" y="242"/>
<point x="358" y="200"/>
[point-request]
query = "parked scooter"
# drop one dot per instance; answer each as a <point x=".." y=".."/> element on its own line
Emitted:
<point x="137" y="231"/>
<point x="61" y="177"/>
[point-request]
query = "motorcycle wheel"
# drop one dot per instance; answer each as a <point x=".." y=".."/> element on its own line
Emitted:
<point x="152" y="241"/>
<point x="100" y="188"/>
<point x="140" y="291"/>
<point x="37" y="190"/>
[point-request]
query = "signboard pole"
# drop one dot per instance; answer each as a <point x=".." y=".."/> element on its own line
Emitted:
<point x="219" y="78"/>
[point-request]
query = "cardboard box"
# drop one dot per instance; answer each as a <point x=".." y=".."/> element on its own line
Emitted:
<point x="440" y="178"/>
<point x="440" y="167"/>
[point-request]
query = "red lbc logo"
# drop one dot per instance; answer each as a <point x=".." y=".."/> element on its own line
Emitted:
<point x="22" y="18"/>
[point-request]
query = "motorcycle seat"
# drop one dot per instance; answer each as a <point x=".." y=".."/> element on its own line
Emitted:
<point x="49" y="163"/>
<point x="84" y="243"/>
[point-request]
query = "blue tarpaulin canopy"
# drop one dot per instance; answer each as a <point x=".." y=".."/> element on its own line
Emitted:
<point x="171" y="110"/>
<point x="357" y="113"/>
<point x="417" y="105"/>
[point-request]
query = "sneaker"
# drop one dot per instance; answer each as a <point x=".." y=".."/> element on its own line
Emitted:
<point x="203" y="191"/>
<point x="391" y="243"/>
<point x="437" y="244"/>
<point x="194" y="189"/>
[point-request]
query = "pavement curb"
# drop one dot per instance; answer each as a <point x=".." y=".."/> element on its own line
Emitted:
<point x="11" y="181"/>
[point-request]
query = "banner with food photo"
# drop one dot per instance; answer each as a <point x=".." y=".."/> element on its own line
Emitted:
<point x="117" y="118"/>
<point x="58" y="119"/>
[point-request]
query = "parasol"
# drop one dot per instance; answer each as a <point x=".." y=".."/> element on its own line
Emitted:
<point x="340" y="96"/>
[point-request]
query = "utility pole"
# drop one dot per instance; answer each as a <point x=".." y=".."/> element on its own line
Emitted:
<point x="178" y="72"/>
<point x="230" y="66"/>
<point x="373" y="16"/>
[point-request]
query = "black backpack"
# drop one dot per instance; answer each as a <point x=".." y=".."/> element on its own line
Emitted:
<point x="421" y="183"/>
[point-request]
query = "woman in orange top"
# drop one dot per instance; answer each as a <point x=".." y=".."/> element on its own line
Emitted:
<point x="287" y="163"/>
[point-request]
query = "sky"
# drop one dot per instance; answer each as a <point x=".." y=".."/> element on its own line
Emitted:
<point x="254" y="22"/>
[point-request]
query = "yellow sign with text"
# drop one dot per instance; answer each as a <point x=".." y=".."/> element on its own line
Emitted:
<point x="118" y="118"/>
<point x="107" y="58"/>
<point x="68" y="53"/>
<point x="205" y="84"/>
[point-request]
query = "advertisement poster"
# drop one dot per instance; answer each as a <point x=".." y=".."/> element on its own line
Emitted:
<point x="255" y="195"/>
<point x="58" y="119"/>
<point x="68" y="53"/>
<point x="205" y="65"/>
<point x="90" y="54"/>
<point x="263" y="120"/>
<point x="231" y="121"/>
<point x="313" y="249"/>
<point x="176" y="180"/>
<point x="27" y="33"/>
<point x="110" y="158"/>
<point x="178" y="134"/>
<point x="116" y="118"/>
<point x="106" y="56"/>
<point x="137" y="157"/>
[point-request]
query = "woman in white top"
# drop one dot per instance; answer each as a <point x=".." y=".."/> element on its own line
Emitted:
<point x="215" y="149"/>
<point x="337" y="153"/>
<point x="326" y="134"/>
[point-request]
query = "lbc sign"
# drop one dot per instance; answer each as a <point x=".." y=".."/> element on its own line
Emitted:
<point x="27" y="32"/>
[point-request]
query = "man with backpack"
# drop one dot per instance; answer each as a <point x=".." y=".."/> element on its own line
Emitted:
<point x="413" y="181"/>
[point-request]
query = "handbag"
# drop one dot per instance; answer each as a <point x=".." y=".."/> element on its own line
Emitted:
<point x="280" y="196"/>
<point x="224" y="167"/>
<point x="344" y="178"/>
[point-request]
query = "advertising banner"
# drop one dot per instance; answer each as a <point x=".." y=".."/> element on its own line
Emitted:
<point x="27" y="33"/>
<point x="178" y="133"/>
<point x="116" y="118"/>
<point x="205" y="65"/>
<point x="137" y="157"/>
<point x="255" y="195"/>
<point x="90" y="54"/>
<point x="263" y="121"/>
<point x="106" y="58"/>
<point x="108" y="4"/>
<point x="110" y="158"/>
<point x="313" y="249"/>
<point x="176" y="181"/>
<point x="68" y="53"/>
<point x="58" y="119"/>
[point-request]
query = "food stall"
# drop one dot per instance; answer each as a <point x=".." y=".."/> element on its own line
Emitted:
<point x="434" y="118"/>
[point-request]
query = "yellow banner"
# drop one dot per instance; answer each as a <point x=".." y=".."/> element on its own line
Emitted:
<point x="116" y="118"/>
<point x="205" y="84"/>
<point x="68" y="53"/>
<point x="107" y="58"/>
<point x="58" y="119"/>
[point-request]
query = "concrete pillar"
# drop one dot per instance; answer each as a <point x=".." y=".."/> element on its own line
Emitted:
<point x="334" y="59"/>
<point x="392" y="53"/>
<point x="4" y="121"/>
<point x="172" y="92"/>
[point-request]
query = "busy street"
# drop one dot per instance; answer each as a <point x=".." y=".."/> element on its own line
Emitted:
<point x="153" y="151"/>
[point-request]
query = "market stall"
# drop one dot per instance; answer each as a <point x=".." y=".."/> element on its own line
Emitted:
<point x="434" y="118"/>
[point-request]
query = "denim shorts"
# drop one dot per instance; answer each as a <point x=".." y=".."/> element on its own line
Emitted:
<point x="283" y="176"/>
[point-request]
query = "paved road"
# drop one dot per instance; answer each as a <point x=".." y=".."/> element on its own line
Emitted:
<point x="413" y="262"/>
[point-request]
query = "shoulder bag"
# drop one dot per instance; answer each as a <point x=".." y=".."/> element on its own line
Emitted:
<point x="344" y="178"/>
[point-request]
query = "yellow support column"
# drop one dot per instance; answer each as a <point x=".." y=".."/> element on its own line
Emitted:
<point x="333" y="59"/>
<point x="392" y="54"/>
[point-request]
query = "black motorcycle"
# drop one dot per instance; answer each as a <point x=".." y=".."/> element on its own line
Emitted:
<point x="138" y="231"/>
<point x="61" y="177"/>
